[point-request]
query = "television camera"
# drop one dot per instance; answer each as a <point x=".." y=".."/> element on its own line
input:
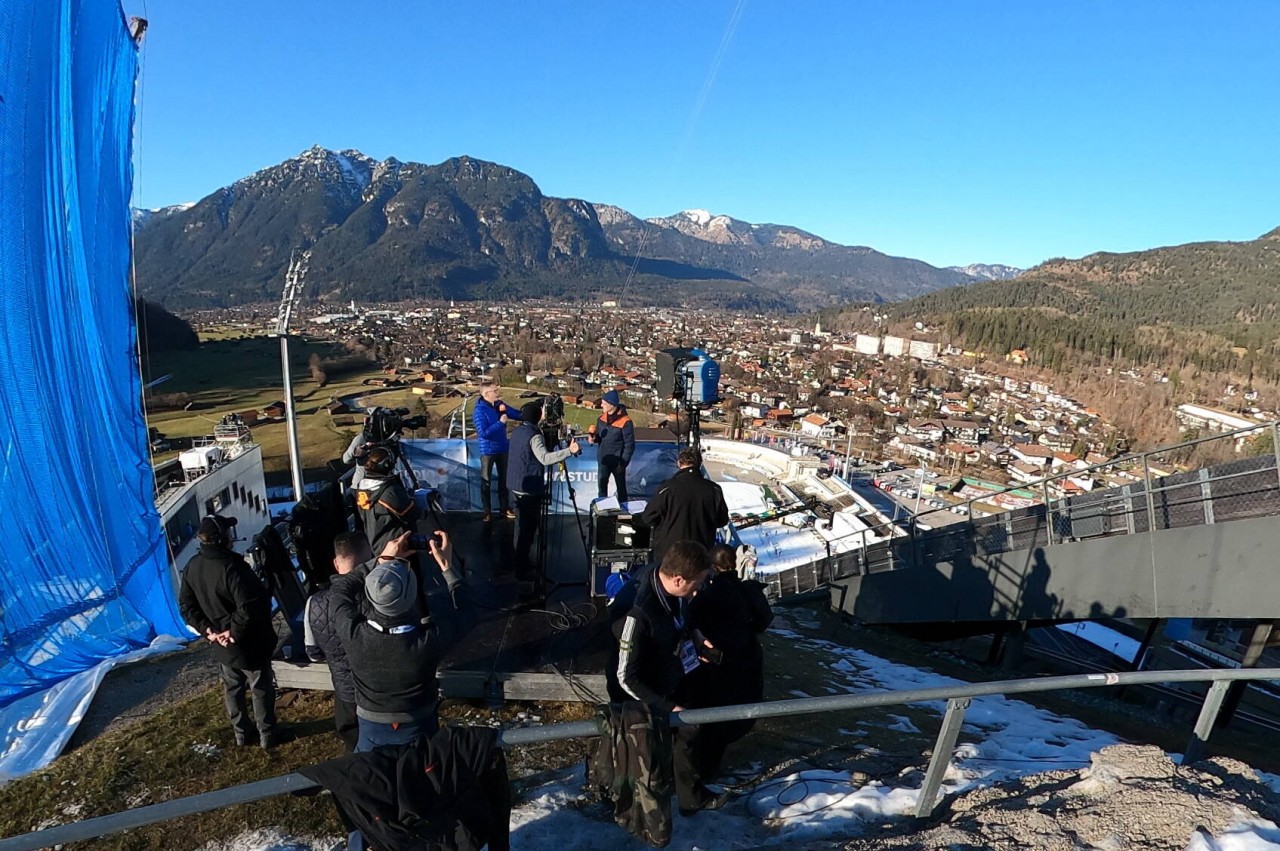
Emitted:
<point x="691" y="378"/>
<point x="552" y="424"/>
<point x="383" y="425"/>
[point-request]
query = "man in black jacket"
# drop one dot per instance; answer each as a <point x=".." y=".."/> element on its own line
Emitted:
<point x="657" y="648"/>
<point x="384" y="505"/>
<point x="687" y="507"/>
<point x="350" y="550"/>
<point x="730" y="613"/>
<point x="394" y="645"/>
<point x="222" y="599"/>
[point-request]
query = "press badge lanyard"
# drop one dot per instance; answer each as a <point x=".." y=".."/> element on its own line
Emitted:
<point x="685" y="650"/>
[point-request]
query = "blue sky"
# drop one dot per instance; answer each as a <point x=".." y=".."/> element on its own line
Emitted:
<point x="954" y="132"/>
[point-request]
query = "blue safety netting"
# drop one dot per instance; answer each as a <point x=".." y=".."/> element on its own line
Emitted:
<point x="86" y="573"/>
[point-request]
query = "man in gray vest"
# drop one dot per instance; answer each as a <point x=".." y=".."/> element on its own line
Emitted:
<point x="527" y="480"/>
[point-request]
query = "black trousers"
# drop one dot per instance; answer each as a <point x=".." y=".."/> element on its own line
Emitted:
<point x="345" y="722"/>
<point x="685" y="756"/>
<point x="618" y="470"/>
<point x="487" y="465"/>
<point x="262" y="687"/>
<point x="528" y="516"/>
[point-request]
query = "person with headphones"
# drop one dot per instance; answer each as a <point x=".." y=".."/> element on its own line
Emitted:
<point x="223" y="600"/>
<point x="384" y="505"/>
<point x="526" y="479"/>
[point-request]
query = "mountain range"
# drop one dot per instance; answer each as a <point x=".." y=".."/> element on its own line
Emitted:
<point x="1214" y="306"/>
<point x="466" y="228"/>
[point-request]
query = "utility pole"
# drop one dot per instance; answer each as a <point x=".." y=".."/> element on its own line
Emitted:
<point x="848" y="449"/>
<point x="292" y="287"/>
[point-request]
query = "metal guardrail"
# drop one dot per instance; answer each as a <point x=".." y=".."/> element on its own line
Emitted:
<point x="1234" y="490"/>
<point x="958" y="700"/>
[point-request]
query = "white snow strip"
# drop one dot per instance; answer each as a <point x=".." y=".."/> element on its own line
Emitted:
<point x="1108" y="639"/>
<point x="35" y="729"/>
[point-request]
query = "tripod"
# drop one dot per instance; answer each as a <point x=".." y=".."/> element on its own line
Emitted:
<point x="544" y="525"/>
<point x="684" y="396"/>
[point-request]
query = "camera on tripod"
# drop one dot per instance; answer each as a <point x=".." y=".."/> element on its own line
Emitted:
<point x="383" y="425"/>
<point x="552" y="423"/>
<point x="689" y="376"/>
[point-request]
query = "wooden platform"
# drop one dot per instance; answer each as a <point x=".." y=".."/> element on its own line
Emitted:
<point x="519" y="685"/>
<point x="553" y="650"/>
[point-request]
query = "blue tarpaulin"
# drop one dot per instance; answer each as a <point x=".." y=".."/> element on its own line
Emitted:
<point x="86" y="575"/>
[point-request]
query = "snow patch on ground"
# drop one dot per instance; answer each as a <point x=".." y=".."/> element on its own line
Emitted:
<point x="271" y="839"/>
<point x="1245" y="835"/>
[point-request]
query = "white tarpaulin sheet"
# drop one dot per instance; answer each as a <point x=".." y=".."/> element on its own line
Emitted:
<point x="37" y="727"/>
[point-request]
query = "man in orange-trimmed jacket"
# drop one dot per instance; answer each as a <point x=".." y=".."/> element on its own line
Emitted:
<point x="615" y="437"/>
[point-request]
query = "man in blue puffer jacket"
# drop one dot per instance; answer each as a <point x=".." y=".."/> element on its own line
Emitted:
<point x="490" y="420"/>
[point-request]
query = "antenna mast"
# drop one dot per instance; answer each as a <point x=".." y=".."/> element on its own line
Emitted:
<point x="293" y="281"/>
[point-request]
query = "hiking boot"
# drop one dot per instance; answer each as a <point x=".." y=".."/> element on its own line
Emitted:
<point x="267" y="741"/>
<point x="241" y="740"/>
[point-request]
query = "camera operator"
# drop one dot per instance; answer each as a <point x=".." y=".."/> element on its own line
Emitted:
<point x="382" y="427"/>
<point x="356" y="450"/>
<point x="527" y="479"/>
<point x="490" y="418"/>
<point x="615" y="435"/>
<point x="384" y="505"/>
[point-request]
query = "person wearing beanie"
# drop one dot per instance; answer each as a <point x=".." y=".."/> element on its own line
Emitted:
<point x="223" y="600"/>
<point x="615" y="437"/>
<point x="394" y="643"/>
<point x="527" y="479"/>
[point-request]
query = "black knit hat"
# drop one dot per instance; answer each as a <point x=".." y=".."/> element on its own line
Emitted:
<point x="531" y="412"/>
<point x="214" y="528"/>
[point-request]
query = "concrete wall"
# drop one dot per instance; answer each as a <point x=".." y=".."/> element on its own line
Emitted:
<point x="1225" y="570"/>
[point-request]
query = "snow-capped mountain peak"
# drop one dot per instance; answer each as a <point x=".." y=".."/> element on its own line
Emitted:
<point x="989" y="271"/>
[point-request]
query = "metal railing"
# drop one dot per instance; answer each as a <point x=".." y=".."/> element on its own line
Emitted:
<point x="958" y="699"/>
<point x="1234" y="490"/>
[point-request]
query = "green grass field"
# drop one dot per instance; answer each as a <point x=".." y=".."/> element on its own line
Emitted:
<point x="230" y="373"/>
<point x="223" y="376"/>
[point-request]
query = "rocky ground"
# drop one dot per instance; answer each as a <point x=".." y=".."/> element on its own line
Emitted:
<point x="1131" y="797"/>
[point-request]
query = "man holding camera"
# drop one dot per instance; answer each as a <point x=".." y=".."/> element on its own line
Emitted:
<point x="490" y="419"/>
<point x="615" y="437"/>
<point x="394" y="644"/>
<point x="657" y="651"/>
<point x="223" y="600"/>
<point x="527" y="479"/>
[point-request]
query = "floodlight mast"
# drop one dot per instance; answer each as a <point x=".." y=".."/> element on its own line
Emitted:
<point x="293" y="281"/>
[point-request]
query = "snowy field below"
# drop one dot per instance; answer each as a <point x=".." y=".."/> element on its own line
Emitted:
<point x="865" y="782"/>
